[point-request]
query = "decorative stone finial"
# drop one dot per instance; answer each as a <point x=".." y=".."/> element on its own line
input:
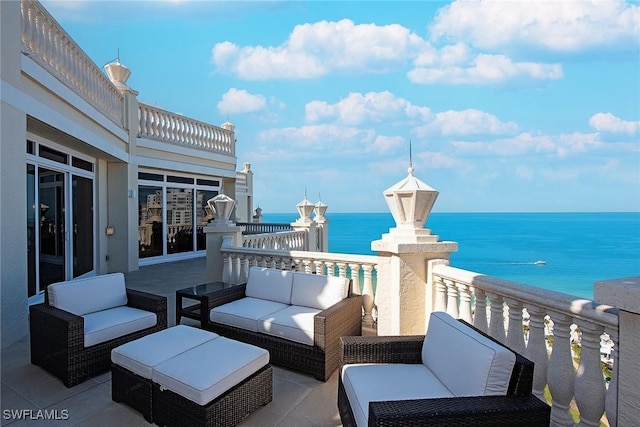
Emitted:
<point x="320" y="209"/>
<point x="118" y="74"/>
<point x="228" y="126"/>
<point x="410" y="202"/>
<point x="305" y="208"/>
<point x="221" y="207"/>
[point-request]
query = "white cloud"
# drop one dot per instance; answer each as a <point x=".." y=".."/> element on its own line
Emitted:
<point x="467" y="122"/>
<point x="372" y="107"/>
<point x="567" y="25"/>
<point x="525" y="143"/>
<point x="238" y="101"/>
<point x="482" y="69"/>
<point x="607" y="122"/>
<point x="313" y="50"/>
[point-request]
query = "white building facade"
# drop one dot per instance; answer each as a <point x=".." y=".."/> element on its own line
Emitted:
<point x="92" y="180"/>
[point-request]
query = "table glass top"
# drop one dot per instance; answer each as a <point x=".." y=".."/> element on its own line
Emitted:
<point x="205" y="288"/>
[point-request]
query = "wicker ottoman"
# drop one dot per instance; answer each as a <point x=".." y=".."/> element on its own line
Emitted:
<point x="133" y="363"/>
<point x="217" y="383"/>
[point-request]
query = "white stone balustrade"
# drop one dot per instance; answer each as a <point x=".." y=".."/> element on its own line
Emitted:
<point x="282" y="241"/>
<point x="161" y="125"/>
<point x="45" y="42"/>
<point x="359" y="268"/>
<point x="538" y="324"/>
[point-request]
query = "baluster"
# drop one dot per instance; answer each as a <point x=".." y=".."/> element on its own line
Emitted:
<point x="560" y="375"/>
<point x="537" y="349"/>
<point x="342" y="269"/>
<point x="452" y="298"/>
<point x="226" y="268"/>
<point x="367" y="294"/>
<point x="496" y="326"/>
<point x="480" y="317"/>
<point x="515" y="336"/>
<point x="355" y="277"/>
<point x="441" y="294"/>
<point x="318" y="266"/>
<point x="163" y="125"/>
<point x="331" y="270"/>
<point x="611" y="401"/>
<point x="245" y="269"/>
<point x="590" y="389"/>
<point x="465" y="302"/>
<point x="307" y="265"/>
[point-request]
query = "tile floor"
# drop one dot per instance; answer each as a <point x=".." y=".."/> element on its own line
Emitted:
<point x="298" y="400"/>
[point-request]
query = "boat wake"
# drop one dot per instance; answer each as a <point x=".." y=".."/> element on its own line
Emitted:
<point x="539" y="262"/>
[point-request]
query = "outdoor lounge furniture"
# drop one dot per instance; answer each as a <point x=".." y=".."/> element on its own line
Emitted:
<point x="73" y="332"/>
<point x="184" y="376"/>
<point x="455" y="375"/>
<point x="298" y="317"/>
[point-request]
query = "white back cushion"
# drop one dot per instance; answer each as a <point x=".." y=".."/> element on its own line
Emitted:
<point x="466" y="362"/>
<point x="317" y="291"/>
<point x="269" y="284"/>
<point x="87" y="295"/>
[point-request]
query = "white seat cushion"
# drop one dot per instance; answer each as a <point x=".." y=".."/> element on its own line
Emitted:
<point x="208" y="370"/>
<point x="364" y="383"/>
<point x="82" y="296"/>
<point x="115" y="322"/>
<point x="294" y="323"/>
<point x="469" y="363"/>
<point x="318" y="291"/>
<point x="269" y="284"/>
<point x="245" y="312"/>
<point x="141" y="355"/>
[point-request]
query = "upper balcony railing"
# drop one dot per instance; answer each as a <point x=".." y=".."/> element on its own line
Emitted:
<point x="281" y="241"/>
<point x="264" y="227"/>
<point x="162" y="125"/>
<point x="44" y="41"/>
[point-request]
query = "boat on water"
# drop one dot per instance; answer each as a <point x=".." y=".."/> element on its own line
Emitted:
<point x="540" y="262"/>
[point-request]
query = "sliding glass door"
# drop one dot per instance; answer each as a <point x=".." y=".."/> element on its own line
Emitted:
<point x="60" y="224"/>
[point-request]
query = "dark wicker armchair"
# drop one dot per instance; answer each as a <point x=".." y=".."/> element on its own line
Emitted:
<point x="518" y="407"/>
<point x="57" y="338"/>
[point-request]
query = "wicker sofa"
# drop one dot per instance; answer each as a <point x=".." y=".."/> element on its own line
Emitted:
<point x="73" y="332"/>
<point x="298" y="317"/>
<point x="453" y="376"/>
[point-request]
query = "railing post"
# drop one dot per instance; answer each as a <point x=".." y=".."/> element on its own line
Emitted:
<point x="624" y="294"/>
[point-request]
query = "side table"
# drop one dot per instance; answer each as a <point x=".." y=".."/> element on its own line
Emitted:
<point x="199" y="293"/>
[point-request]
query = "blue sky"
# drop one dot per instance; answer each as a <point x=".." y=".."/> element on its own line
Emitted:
<point x="522" y="106"/>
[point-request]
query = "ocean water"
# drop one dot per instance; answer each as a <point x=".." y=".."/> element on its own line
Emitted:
<point x="578" y="248"/>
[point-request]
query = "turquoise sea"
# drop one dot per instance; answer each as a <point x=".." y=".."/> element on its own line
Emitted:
<point x="578" y="248"/>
